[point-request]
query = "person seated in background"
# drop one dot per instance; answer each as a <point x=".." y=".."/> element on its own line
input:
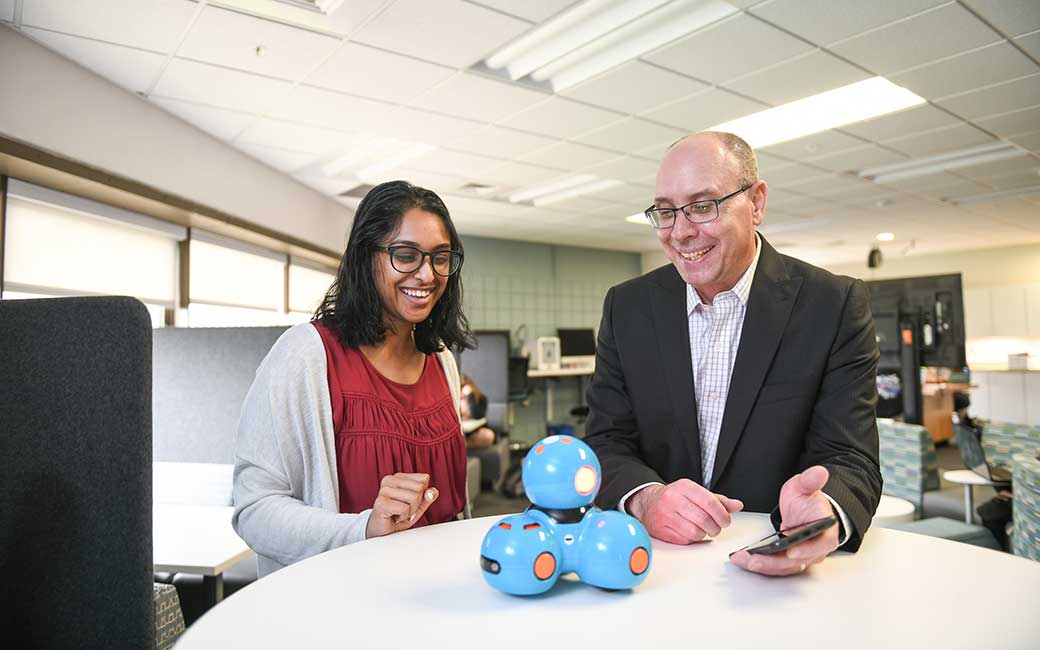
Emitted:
<point x="996" y="513"/>
<point x="474" y="408"/>
<point x="352" y="428"/>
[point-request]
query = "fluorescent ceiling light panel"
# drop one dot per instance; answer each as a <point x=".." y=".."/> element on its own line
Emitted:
<point x="596" y="35"/>
<point x="638" y="218"/>
<point x="885" y="236"/>
<point x="374" y="156"/>
<point x="581" y="190"/>
<point x="558" y="186"/>
<point x="853" y="103"/>
<point x="943" y="162"/>
<point x="994" y="196"/>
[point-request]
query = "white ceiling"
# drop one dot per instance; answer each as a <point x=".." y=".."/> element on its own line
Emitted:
<point x="401" y="70"/>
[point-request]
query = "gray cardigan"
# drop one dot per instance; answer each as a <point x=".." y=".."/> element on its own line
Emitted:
<point x="286" y="487"/>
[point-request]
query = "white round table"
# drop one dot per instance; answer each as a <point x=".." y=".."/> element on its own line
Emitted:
<point x="892" y="510"/>
<point x="967" y="478"/>
<point x="423" y="589"/>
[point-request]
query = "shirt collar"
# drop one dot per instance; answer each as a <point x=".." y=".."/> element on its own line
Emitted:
<point x="742" y="289"/>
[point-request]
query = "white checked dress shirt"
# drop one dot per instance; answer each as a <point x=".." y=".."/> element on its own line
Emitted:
<point x="714" y="339"/>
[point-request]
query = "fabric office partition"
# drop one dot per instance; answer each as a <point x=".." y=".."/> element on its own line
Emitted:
<point x="76" y="461"/>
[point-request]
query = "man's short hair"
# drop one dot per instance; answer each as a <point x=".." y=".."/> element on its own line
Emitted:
<point x="741" y="151"/>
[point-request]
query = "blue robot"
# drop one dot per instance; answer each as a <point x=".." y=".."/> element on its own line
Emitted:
<point x="562" y="532"/>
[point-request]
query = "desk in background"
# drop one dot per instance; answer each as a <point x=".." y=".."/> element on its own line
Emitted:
<point x="550" y="377"/>
<point x="199" y="540"/>
<point x="424" y="586"/>
<point x="937" y="404"/>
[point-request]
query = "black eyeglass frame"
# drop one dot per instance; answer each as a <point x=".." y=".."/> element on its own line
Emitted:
<point x="682" y="208"/>
<point x="423" y="255"/>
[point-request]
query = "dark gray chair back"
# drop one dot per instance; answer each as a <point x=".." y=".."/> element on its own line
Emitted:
<point x="201" y="379"/>
<point x="76" y="461"/>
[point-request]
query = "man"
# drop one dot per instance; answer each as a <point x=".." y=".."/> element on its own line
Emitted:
<point x="735" y="377"/>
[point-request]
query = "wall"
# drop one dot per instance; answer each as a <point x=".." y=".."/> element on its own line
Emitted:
<point x="54" y="104"/>
<point x="542" y="287"/>
<point x="986" y="267"/>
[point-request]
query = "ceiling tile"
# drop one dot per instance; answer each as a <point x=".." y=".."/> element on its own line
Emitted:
<point x="949" y="138"/>
<point x="478" y="98"/>
<point x="634" y="87"/>
<point x="630" y="194"/>
<point x="351" y="15"/>
<point x="870" y="155"/>
<point x="533" y="10"/>
<point x="362" y="70"/>
<point x="154" y="25"/>
<point x="817" y="144"/>
<point x="1013" y="123"/>
<point x="208" y="84"/>
<point x="728" y="49"/>
<point x="632" y="133"/>
<point x="135" y="70"/>
<point x="803" y="76"/>
<point x="414" y="125"/>
<point x="218" y="122"/>
<point x="932" y="35"/>
<point x="908" y="122"/>
<point x="568" y="155"/>
<point x="833" y="20"/>
<point x="466" y="165"/>
<point x="331" y="110"/>
<point x="516" y="174"/>
<point x="501" y="142"/>
<point x="1013" y="18"/>
<point x="1022" y="166"/>
<point x="233" y="40"/>
<point x="1029" y="141"/>
<point x="1000" y="98"/>
<point x="442" y="184"/>
<point x="281" y="159"/>
<point x="793" y="174"/>
<point x="1030" y="43"/>
<point x="626" y="168"/>
<point x="968" y="71"/>
<point x="297" y="137"/>
<point x="562" y="118"/>
<point x="704" y="110"/>
<point x="451" y="32"/>
<point x="7" y="11"/>
<point x="925" y="184"/>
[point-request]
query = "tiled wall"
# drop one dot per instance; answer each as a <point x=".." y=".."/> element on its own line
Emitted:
<point x="511" y="284"/>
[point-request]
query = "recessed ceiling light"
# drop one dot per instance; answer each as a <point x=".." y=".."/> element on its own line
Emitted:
<point x="828" y="110"/>
<point x="960" y="159"/>
<point x="596" y="35"/>
<point x="885" y="236"/>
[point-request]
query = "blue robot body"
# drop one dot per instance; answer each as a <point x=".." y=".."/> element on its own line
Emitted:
<point x="562" y="532"/>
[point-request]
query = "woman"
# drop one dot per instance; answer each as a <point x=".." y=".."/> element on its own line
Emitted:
<point x="352" y="428"/>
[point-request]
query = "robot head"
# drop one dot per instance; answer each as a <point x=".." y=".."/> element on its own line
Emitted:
<point x="561" y="472"/>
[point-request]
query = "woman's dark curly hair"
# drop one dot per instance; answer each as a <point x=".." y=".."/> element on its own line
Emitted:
<point x="352" y="307"/>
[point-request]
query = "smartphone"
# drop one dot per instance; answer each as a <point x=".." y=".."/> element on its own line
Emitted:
<point x="789" y="537"/>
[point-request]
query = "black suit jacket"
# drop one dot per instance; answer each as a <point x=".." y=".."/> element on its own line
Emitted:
<point x="802" y="392"/>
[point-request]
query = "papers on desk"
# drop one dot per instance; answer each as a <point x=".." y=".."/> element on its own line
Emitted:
<point x="469" y="426"/>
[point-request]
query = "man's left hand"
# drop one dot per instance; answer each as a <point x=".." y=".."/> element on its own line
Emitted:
<point x="801" y="501"/>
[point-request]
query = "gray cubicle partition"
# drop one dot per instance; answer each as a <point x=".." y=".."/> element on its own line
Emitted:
<point x="201" y="377"/>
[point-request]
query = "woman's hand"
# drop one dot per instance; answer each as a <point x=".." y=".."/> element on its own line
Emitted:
<point x="402" y="499"/>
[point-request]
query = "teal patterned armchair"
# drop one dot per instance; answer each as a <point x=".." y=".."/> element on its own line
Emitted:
<point x="909" y="468"/>
<point x="1025" y="473"/>
<point x="909" y="464"/>
<point x="1002" y="440"/>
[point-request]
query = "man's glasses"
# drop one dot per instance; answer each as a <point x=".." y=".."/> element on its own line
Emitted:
<point x="408" y="259"/>
<point x="696" y="212"/>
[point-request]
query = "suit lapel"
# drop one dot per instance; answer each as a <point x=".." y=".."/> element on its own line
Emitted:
<point x="672" y="331"/>
<point x="768" y="310"/>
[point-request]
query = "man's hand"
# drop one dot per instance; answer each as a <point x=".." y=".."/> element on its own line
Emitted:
<point x="402" y="499"/>
<point x="801" y="501"/>
<point x="682" y="512"/>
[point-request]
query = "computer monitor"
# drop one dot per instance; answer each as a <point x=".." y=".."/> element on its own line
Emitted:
<point x="577" y="347"/>
<point x="935" y="303"/>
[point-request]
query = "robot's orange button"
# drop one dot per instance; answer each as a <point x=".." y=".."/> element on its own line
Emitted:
<point x="639" y="560"/>
<point x="545" y="565"/>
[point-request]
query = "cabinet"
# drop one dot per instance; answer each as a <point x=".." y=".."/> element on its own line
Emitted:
<point x="978" y="313"/>
<point x="1008" y="309"/>
<point x="1007" y="396"/>
<point x="1033" y="311"/>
